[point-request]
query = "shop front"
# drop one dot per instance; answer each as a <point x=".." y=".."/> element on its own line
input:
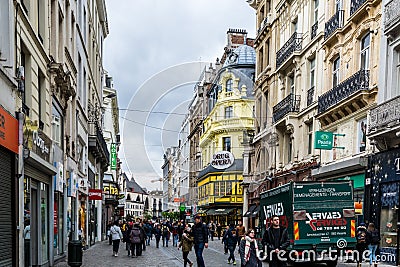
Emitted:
<point x="383" y="190"/>
<point x="8" y="152"/>
<point x="38" y="200"/>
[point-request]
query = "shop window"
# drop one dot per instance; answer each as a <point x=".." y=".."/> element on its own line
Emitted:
<point x="389" y="215"/>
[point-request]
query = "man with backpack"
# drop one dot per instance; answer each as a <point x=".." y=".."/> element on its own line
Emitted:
<point x="361" y="246"/>
<point x="165" y="234"/>
<point x="373" y="239"/>
<point x="136" y="241"/>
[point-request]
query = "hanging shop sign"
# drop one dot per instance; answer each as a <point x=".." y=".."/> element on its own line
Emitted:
<point x="59" y="177"/>
<point x="72" y="185"/>
<point x="110" y="189"/>
<point x="8" y="131"/>
<point x="113" y="155"/>
<point x="95" y="194"/>
<point x="222" y="160"/>
<point x="323" y="140"/>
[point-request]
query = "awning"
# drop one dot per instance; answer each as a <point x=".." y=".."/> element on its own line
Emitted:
<point x="220" y="211"/>
<point x="249" y="212"/>
<point x="255" y="212"/>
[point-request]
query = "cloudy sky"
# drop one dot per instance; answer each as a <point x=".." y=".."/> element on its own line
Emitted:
<point x="155" y="51"/>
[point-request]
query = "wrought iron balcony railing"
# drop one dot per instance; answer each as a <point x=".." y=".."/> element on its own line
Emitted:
<point x="291" y="103"/>
<point x="293" y="44"/>
<point x="355" y="5"/>
<point x="262" y="25"/>
<point x="314" y="29"/>
<point x="334" y="23"/>
<point x="357" y="82"/>
<point x="384" y="114"/>
<point x="310" y="96"/>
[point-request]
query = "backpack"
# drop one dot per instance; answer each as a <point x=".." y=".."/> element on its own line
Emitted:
<point x="375" y="238"/>
<point x="165" y="230"/>
<point x="135" y="236"/>
<point x="361" y="237"/>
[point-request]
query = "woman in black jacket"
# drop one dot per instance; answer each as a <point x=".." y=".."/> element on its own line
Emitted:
<point x="248" y="250"/>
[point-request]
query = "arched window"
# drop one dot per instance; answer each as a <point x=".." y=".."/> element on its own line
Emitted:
<point x="229" y="85"/>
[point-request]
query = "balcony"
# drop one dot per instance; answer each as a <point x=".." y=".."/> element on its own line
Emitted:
<point x="314" y="29"/>
<point x="385" y="117"/>
<point x="346" y="98"/>
<point x="293" y="44"/>
<point x="97" y="145"/>
<point x="289" y="104"/>
<point x="310" y="96"/>
<point x="334" y="23"/>
<point x="355" y="5"/>
<point x="262" y="30"/>
<point x="392" y="15"/>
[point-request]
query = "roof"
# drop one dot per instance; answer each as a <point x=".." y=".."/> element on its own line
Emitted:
<point x="243" y="55"/>
<point x="134" y="187"/>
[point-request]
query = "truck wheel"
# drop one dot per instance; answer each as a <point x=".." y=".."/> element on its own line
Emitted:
<point x="331" y="263"/>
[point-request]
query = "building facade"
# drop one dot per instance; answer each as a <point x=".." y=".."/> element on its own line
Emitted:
<point x="382" y="181"/>
<point x="228" y="123"/>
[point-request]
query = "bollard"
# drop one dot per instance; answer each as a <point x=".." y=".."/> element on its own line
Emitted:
<point x="75" y="253"/>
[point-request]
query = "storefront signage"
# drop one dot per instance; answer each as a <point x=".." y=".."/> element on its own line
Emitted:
<point x="72" y="185"/>
<point x="179" y="199"/>
<point x="59" y="177"/>
<point x="323" y="140"/>
<point x="113" y="161"/>
<point x="8" y="131"/>
<point x="110" y="190"/>
<point x="222" y="160"/>
<point x="95" y="194"/>
<point x="36" y="140"/>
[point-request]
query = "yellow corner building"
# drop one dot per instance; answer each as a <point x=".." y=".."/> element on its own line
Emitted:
<point x="227" y="126"/>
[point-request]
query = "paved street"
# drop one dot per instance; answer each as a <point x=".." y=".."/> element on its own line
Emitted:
<point x="101" y="255"/>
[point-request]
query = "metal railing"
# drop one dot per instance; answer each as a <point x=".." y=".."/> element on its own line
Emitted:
<point x="310" y="96"/>
<point x="357" y="82"/>
<point x="291" y="103"/>
<point x="103" y="144"/>
<point x="293" y="44"/>
<point x="334" y="23"/>
<point x="314" y="29"/>
<point x="355" y="5"/>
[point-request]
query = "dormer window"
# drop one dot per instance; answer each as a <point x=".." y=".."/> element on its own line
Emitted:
<point x="229" y="85"/>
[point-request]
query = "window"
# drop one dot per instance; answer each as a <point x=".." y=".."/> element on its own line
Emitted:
<point x="228" y="188"/>
<point x="57" y="126"/>
<point x="310" y="135"/>
<point x="295" y="25"/>
<point x="338" y="5"/>
<point x="227" y="143"/>
<point x="312" y="72"/>
<point x="41" y="97"/>
<point x="260" y="61"/>
<point x="222" y="187"/>
<point x="291" y="84"/>
<point x="289" y="148"/>
<point x="228" y="85"/>
<point x="316" y="5"/>
<point x="267" y="52"/>
<point x="335" y="72"/>
<point x="216" y="189"/>
<point x="41" y="5"/>
<point x="365" y="45"/>
<point x="228" y="112"/>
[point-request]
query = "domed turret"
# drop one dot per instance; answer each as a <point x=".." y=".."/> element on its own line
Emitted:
<point x="243" y="55"/>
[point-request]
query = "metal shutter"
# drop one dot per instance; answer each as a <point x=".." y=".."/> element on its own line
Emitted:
<point x="6" y="205"/>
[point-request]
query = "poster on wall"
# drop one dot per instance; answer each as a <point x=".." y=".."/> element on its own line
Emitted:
<point x="362" y="134"/>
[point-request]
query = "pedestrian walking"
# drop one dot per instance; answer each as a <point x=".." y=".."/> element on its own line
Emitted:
<point x="200" y="235"/>
<point x="231" y="241"/>
<point x="157" y="235"/>
<point x="175" y="236"/>
<point x="116" y="236"/>
<point x="109" y="236"/>
<point x="126" y="238"/>
<point x="361" y="246"/>
<point x="241" y="231"/>
<point x="212" y="228"/>
<point x="136" y="241"/>
<point x="165" y="234"/>
<point x="276" y="241"/>
<point x="248" y="249"/>
<point x="143" y="237"/>
<point x="224" y="240"/>
<point x="186" y="244"/>
<point x="373" y="240"/>
<point x="219" y="230"/>
<point x="148" y="229"/>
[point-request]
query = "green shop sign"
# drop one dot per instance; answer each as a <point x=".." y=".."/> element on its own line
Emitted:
<point x="323" y="140"/>
<point x="113" y="156"/>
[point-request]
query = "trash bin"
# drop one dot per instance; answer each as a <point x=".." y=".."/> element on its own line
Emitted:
<point x="75" y="253"/>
